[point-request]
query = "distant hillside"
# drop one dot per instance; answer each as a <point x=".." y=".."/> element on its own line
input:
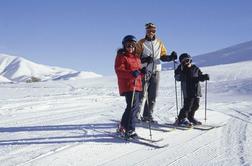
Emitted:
<point x="18" y="69"/>
<point x="4" y="79"/>
<point x="232" y="54"/>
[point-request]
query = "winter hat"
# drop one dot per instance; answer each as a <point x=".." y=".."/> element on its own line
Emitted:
<point x="150" y="25"/>
<point x="183" y="57"/>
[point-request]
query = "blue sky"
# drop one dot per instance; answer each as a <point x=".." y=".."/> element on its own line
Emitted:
<point x="85" y="34"/>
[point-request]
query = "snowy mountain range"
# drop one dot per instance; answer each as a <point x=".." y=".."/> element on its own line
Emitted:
<point x="237" y="53"/>
<point x="18" y="69"/>
<point x="233" y="54"/>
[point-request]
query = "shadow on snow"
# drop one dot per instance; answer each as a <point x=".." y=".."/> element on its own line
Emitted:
<point x="59" y="134"/>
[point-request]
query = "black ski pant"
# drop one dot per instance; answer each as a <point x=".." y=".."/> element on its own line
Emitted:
<point x="152" y="95"/>
<point x="190" y="107"/>
<point x="129" y="116"/>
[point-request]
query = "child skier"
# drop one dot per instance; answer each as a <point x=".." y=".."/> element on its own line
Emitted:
<point x="189" y="75"/>
<point x="129" y="74"/>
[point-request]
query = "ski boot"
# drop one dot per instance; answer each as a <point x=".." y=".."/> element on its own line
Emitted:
<point x="131" y="134"/>
<point x="147" y="119"/>
<point x="183" y="123"/>
<point x="195" y="121"/>
<point x="121" y="130"/>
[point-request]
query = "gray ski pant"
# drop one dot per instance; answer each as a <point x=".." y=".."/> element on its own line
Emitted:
<point x="152" y="94"/>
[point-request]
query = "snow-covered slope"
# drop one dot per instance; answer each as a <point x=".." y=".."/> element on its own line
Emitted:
<point x="233" y="54"/>
<point x="4" y="80"/>
<point x="60" y="122"/>
<point x="19" y="69"/>
<point x="237" y="53"/>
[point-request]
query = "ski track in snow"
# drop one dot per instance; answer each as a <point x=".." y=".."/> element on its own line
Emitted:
<point x="65" y="108"/>
<point x="52" y="125"/>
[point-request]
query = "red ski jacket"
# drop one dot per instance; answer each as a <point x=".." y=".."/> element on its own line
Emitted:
<point x="125" y="64"/>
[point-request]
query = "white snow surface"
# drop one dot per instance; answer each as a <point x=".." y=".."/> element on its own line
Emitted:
<point x="233" y="54"/>
<point x="18" y="69"/>
<point x="57" y="123"/>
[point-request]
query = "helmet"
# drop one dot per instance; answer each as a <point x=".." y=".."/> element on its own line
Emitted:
<point x="184" y="56"/>
<point x="150" y="25"/>
<point x="128" y="38"/>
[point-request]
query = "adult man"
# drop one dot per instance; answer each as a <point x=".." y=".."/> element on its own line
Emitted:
<point x="152" y="51"/>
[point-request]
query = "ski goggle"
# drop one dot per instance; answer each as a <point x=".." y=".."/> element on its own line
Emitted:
<point x="187" y="60"/>
<point x="130" y="45"/>
<point x="150" y="25"/>
<point x="150" y="30"/>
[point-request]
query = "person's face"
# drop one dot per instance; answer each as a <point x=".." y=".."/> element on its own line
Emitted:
<point x="130" y="47"/>
<point x="187" y="62"/>
<point x="151" y="32"/>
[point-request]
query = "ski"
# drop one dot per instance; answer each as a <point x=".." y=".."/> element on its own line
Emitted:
<point x="149" y="140"/>
<point x="153" y="126"/>
<point x="171" y="125"/>
<point x="196" y="127"/>
<point x="168" y="126"/>
<point x="208" y="126"/>
<point x="164" y="127"/>
<point x="137" y="140"/>
<point x="146" y="125"/>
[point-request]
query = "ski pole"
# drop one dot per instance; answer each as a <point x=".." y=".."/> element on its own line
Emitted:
<point x="132" y="103"/>
<point x="147" y="101"/>
<point x="205" y="101"/>
<point x="144" y="96"/>
<point x="133" y="95"/>
<point x="181" y="97"/>
<point x="176" y="93"/>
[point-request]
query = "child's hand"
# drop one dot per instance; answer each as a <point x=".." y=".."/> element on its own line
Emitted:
<point x="204" y="77"/>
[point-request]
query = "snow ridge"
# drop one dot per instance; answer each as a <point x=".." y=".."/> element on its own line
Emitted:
<point x="18" y="69"/>
<point x="233" y="54"/>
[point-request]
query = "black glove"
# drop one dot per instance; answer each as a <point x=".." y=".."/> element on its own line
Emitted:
<point x="136" y="73"/>
<point x="143" y="70"/>
<point x="204" y="77"/>
<point x="147" y="59"/>
<point x="173" y="56"/>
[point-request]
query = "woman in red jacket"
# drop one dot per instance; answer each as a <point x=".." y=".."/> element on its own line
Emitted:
<point x="129" y="74"/>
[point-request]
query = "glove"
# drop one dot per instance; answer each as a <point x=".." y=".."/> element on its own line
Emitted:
<point x="173" y="56"/>
<point x="143" y="70"/>
<point x="136" y="73"/>
<point x="204" y="77"/>
<point x="147" y="59"/>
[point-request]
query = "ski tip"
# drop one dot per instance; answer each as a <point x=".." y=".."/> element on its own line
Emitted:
<point x="162" y="146"/>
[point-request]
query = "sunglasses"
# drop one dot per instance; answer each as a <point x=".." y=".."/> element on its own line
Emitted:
<point x="130" y="45"/>
<point x="188" y="60"/>
<point x="151" y="31"/>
